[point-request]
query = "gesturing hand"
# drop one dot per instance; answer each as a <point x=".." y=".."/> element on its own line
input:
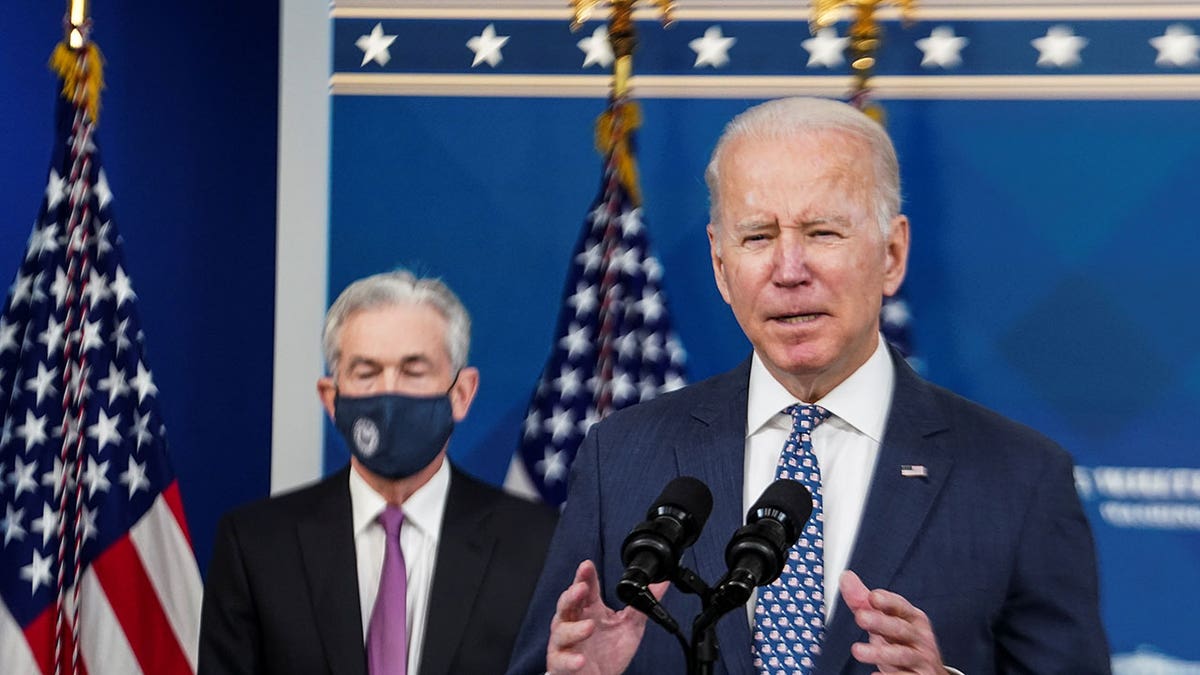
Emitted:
<point x="588" y="637"/>
<point x="901" y="637"/>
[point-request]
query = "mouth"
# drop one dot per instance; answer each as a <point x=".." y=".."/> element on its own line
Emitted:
<point x="795" y="319"/>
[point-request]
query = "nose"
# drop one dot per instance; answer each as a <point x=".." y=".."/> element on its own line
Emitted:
<point x="790" y="260"/>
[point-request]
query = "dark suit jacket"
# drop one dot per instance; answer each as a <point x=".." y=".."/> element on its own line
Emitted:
<point x="282" y="589"/>
<point x="993" y="545"/>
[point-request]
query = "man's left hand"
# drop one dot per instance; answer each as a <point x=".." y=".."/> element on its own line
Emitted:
<point x="901" y="637"/>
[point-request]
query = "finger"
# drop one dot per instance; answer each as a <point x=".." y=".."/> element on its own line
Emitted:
<point x="887" y="657"/>
<point x="888" y="628"/>
<point x="566" y="635"/>
<point x="558" y="663"/>
<point x="853" y="591"/>
<point x="896" y="605"/>
<point x="660" y="589"/>
<point x="584" y="590"/>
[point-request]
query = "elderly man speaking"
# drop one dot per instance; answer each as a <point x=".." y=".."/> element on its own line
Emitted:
<point x="965" y="524"/>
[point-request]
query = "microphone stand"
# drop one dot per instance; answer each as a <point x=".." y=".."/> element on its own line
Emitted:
<point x="704" y="649"/>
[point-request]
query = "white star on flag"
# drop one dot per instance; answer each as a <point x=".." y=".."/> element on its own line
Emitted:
<point x="33" y="431"/>
<point x="21" y="477"/>
<point x="56" y="189"/>
<point x="941" y="49"/>
<point x="11" y="524"/>
<point x="487" y="46"/>
<point x="1178" y="46"/>
<point x="825" y="48"/>
<point x="1059" y="48"/>
<point x="712" y="49"/>
<point x="375" y="45"/>
<point x="103" y="194"/>
<point x="105" y="430"/>
<point x="134" y="477"/>
<point x="554" y="466"/>
<point x="95" y="477"/>
<point x="47" y="525"/>
<point x="37" y="572"/>
<point x="597" y="49"/>
<point x="42" y="384"/>
<point x="122" y="288"/>
<point x="144" y="382"/>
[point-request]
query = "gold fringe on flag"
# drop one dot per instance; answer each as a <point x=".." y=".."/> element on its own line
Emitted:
<point x="614" y="129"/>
<point x="82" y="73"/>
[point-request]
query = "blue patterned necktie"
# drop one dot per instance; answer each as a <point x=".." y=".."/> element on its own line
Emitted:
<point x="789" y="619"/>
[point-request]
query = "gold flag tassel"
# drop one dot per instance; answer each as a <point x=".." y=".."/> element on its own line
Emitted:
<point x="614" y="134"/>
<point x="82" y="73"/>
<point x="78" y="61"/>
<point x="616" y="125"/>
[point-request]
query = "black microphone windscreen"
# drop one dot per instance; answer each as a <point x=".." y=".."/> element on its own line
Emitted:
<point x="688" y="494"/>
<point x="787" y="496"/>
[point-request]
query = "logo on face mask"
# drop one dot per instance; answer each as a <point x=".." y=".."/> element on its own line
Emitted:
<point x="366" y="436"/>
<point x="394" y="435"/>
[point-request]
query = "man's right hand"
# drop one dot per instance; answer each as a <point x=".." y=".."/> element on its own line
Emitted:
<point x="588" y="637"/>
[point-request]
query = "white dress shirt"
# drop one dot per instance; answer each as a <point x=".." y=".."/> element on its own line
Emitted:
<point x="846" y="446"/>
<point x="418" y="541"/>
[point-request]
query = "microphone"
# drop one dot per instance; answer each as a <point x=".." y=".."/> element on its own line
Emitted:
<point x="652" y="550"/>
<point x="758" y="550"/>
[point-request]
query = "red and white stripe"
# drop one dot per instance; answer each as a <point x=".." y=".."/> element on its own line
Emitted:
<point x="139" y="605"/>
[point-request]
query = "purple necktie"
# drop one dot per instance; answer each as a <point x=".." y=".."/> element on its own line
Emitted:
<point x="387" y="635"/>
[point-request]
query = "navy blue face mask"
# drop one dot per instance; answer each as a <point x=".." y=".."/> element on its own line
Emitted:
<point x="394" y="435"/>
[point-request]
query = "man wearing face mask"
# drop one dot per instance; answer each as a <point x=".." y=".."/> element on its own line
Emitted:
<point x="399" y="563"/>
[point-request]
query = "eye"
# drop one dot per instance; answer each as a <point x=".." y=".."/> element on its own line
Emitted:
<point x="755" y="239"/>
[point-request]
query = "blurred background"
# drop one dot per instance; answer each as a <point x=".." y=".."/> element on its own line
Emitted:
<point x="263" y="155"/>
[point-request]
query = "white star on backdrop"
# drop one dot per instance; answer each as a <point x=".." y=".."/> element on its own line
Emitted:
<point x="1059" y="48"/>
<point x="825" y="48"/>
<point x="597" y="49"/>
<point x="1178" y="46"/>
<point x="375" y="45"/>
<point x="712" y="49"/>
<point x="487" y="46"/>
<point x="941" y="49"/>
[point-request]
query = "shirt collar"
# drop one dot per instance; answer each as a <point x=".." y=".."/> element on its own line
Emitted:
<point x="423" y="509"/>
<point x="862" y="400"/>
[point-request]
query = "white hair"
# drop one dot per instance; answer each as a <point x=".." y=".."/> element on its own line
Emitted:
<point x="399" y="287"/>
<point x="788" y="117"/>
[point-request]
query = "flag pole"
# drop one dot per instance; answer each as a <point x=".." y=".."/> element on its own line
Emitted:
<point x="866" y="37"/>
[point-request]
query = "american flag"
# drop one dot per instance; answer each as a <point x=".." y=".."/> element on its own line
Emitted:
<point x="97" y="572"/>
<point x="614" y="345"/>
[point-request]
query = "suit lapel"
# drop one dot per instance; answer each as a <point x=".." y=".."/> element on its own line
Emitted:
<point x="326" y="537"/>
<point x="897" y="506"/>
<point x="714" y="452"/>
<point x="464" y="549"/>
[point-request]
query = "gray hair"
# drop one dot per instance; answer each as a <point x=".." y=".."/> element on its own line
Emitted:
<point x="399" y="287"/>
<point x="787" y="117"/>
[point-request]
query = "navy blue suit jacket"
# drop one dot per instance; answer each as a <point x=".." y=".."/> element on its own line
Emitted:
<point x="993" y="544"/>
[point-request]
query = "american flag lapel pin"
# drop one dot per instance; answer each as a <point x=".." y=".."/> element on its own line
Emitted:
<point x="914" y="471"/>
